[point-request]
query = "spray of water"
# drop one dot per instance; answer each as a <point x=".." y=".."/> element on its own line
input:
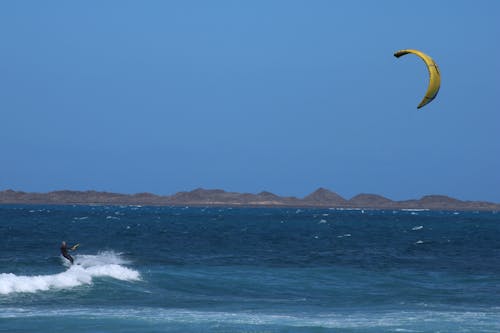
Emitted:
<point x="85" y="269"/>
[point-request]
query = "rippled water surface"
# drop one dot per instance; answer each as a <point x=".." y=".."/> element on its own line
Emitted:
<point x="164" y="269"/>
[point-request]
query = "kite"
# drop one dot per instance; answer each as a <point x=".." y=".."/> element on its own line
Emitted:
<point x="434" y="75"/>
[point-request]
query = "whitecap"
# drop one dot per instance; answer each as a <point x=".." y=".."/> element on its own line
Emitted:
<point x="85" y="269"/>
<point x="417" y="227"/>
<point x="380" y="321"/>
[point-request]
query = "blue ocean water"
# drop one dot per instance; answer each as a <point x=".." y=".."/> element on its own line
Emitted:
<point x="167" y="269"/>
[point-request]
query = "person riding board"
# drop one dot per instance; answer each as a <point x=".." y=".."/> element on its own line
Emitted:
<point x="64" y="251"/>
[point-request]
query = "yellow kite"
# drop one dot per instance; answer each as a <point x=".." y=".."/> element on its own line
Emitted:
<point x="434" y="75"/>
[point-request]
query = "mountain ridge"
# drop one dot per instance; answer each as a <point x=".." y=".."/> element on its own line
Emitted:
<point x="320" y="198"/>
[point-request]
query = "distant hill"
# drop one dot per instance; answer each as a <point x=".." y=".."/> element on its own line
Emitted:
<point x="325" y="197"/>
<point x="215" y="197"/>
<point x="367" y="200"/>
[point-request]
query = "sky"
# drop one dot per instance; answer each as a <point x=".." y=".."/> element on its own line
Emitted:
<point x="246" y="96"/>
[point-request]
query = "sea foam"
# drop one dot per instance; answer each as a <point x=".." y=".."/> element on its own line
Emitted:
<point x="387" y="321"/>
<point x="85" y="269"/>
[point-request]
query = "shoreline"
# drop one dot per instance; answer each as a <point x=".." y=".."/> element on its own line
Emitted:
<point x="321" y="198"/>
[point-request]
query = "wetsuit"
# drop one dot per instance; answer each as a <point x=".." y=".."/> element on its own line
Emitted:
<point x="64" y="252"/>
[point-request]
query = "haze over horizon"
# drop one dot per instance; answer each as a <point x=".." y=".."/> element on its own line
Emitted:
<point x="283" y="96"/>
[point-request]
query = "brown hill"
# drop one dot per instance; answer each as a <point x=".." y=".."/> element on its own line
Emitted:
<point x="323" y="196"/>
<point x="370" y="200"/>
<point x="319" y="198"/>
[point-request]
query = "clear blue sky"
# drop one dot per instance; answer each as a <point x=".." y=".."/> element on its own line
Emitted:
<point x="285" y="96"/>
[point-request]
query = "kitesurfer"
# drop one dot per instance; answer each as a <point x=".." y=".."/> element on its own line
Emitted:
<point x="65" y="249"/>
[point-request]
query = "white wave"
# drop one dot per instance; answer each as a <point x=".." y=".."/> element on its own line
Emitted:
<point x="417" y="227"/>
<point x="85" y="269"/>
<point x="390" y="321"/>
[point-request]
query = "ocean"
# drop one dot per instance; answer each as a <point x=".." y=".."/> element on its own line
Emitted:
<point x="251" y="270"/>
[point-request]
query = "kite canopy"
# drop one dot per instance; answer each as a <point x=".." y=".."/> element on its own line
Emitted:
<point x="434" y="75"/>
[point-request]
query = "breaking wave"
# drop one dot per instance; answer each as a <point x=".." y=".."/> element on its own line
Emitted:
<point x="85" y="269"/>
<point x="486" y="320"/>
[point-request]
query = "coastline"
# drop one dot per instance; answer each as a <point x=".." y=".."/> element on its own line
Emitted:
<point x="321" y="198"/>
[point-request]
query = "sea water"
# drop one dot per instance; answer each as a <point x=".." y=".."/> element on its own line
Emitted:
<point x="182" y="269"/>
